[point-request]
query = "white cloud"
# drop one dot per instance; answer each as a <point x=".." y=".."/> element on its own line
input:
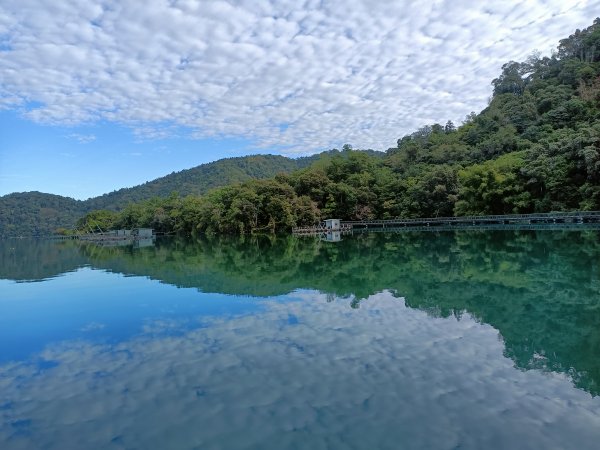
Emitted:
<point x="82" y="138"/>
<point x="93" y="326"/>
<point x="303" y="75"/>
<point x="154" y="132"/>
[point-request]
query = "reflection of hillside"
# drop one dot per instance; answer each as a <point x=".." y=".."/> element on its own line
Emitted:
<point x="36" y="260"/>
<point x="542" y="293"/>
<point x="258" y="266"/>
<point x="541" y="290"/>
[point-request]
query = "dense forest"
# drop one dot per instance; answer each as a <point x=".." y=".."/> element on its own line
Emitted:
<point x="201" y="179"/>
<point x="37" y="213"/>
<point x="535" y="148"/>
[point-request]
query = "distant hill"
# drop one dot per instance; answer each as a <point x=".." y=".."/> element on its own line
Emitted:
<point x="38" y="213"/>
<point x="201" y="179"/>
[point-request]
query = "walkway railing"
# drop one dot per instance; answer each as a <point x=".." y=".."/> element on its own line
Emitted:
<point x="317" y="229"/>
<point x="552" y="217"/>
<point x="573" y="217"/>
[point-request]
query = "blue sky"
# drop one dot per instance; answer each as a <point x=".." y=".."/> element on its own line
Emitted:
<point x="102" y="94"/>
<point x="89" y="160"/>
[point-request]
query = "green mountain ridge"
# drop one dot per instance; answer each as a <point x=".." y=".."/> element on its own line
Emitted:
<point x="37" y="213"/>
<point x="200" y="179"/>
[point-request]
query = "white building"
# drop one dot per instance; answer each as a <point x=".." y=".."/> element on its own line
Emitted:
<point x="332" y="224"/>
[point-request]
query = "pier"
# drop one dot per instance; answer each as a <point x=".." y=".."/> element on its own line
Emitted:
<point x="505" y="221"/>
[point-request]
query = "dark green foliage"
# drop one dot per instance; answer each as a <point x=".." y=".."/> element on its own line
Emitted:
<point x="493" y="187"/>
<point x="511" y="80"/>
<point x="201" y="179"/>
<point x="98" y="220"/>
<point x="36" y="213"/>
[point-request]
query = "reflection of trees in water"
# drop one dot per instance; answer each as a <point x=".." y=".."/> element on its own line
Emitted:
<point x="539" y="289"/>
<point x="38" y="259"/>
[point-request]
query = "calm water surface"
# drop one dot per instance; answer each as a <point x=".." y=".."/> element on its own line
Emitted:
<point x="458" y="340"/>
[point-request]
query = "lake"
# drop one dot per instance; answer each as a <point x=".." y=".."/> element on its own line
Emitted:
<point x="442" y="340"/>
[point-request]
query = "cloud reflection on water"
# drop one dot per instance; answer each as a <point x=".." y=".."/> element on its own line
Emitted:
<point x="382" y="376"/>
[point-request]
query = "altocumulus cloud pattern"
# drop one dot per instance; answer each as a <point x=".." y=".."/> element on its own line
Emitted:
<point x="296" y="76"/>
<point x="305" y="384"/>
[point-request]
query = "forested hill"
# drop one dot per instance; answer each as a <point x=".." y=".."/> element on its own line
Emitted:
<point x="37" y="213"/>
<point x="201" y="179"/>
<point x="535" y="148"/>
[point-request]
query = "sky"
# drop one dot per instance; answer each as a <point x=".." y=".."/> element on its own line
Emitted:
<point x="103" y="94"/>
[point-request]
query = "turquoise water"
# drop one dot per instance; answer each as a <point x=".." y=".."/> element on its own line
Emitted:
<point x="451" y="340"/>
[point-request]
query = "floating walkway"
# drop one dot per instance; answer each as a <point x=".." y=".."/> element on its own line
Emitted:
<point x="486" y="227"/>
<point x="141" y="237"/>
<point x="507" y="221"/>
<point x="321" y="229"/>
